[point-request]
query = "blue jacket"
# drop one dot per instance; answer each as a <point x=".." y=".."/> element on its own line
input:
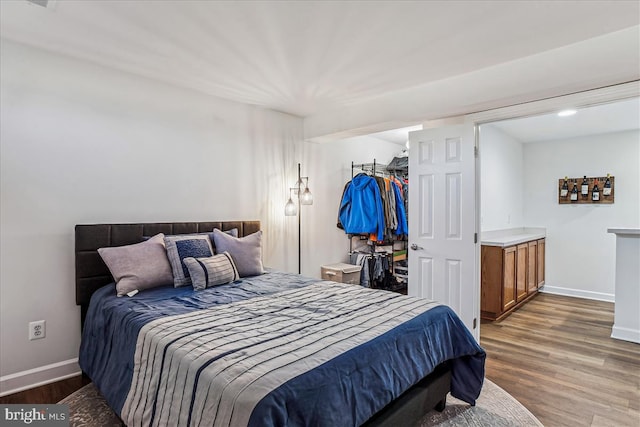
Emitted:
<point x="361" y="207"/>
<point x="400" y="211"/>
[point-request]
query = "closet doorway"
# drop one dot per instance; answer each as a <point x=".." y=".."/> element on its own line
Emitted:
<point x="383" y="256"/>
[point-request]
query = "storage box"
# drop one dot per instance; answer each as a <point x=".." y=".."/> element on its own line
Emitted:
<point x="341" y="272"/>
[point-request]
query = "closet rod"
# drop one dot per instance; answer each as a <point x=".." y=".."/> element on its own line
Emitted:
<point x="369" y="167"/>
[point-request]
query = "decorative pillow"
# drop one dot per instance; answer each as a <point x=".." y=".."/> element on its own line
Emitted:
<point x="181" y="246"/>
<point x="232" y="232"/>
<point x="245" y="251"/>
<point x="139" y="266"/>
<point x="213" y="271"/>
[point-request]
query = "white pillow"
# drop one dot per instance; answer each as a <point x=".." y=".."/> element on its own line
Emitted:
<point x="139" y="266"/>
<point x="245" y="251"/>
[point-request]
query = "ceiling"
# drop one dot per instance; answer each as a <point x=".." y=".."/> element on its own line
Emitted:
<point x="397" y="136"/>
<point x="596" y="120"/>
<point x="306" y="57"/>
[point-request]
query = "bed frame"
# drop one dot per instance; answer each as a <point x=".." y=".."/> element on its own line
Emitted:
<point x="92" y="274"/>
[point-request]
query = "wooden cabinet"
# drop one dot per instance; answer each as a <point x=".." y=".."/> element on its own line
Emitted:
<point x="509" y="280"/>
<point x="510" y="276"/>
<point x="540" y="263"/>
<point x="521" y="272"/>
<point x="532" y="269"/>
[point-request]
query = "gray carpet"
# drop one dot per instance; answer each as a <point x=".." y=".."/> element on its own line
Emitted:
<point x="494" y="408"/>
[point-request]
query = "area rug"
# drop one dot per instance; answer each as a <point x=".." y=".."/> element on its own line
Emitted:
<point x="494" y="408"/>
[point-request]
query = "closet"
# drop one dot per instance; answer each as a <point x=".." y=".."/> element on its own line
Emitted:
<point x="373" y="214"/>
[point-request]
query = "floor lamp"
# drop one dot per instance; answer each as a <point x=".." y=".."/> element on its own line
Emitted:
<point x="304" y="198"/>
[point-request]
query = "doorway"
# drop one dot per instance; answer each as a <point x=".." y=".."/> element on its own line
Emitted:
<point x="523" y="164"/>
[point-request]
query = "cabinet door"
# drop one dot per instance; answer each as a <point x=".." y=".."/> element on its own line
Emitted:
<point x="491" y="281"/>
<point x="509" y="278"/>
<point x="540" y="263"/>
<point x="532" y="283"/>
<point x="521" y="272"/>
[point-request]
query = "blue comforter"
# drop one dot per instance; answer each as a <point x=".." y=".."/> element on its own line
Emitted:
<point x="355" y="384"/>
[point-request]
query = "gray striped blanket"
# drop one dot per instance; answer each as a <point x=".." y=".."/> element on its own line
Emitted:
<point x="213" y="366"/>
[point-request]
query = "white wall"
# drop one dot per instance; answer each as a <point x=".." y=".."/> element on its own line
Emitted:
<point x="580" y="254"/>
<point x="501" y="180"/>
<point x="81" y="143"/>
<point x="329" y="167"/>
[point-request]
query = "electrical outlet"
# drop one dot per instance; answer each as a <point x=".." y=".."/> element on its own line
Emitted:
<point x="37" y="330"/>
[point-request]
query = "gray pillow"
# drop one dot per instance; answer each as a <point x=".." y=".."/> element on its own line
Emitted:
<point x="245" y="251"/>
<point x="213" y="271"/>
<point x="139" y="266"/>
<point x="181" y="246"/>
<point x="232" y="232"/>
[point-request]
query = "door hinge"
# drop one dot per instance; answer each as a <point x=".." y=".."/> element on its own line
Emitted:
<point x="475" y="237"/>
<point x="475" y="151"/>
<point x="475" y="322"/>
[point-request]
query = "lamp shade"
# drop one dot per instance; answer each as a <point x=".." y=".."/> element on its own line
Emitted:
<point x="307" y="197"/>
<point x="290" y="208"/>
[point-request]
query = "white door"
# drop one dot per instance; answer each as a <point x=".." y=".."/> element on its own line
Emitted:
<point x="443" y="257"/>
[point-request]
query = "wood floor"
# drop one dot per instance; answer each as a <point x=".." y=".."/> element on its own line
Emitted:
<point x="50" y="393"/>
<point x="555" y="356"/>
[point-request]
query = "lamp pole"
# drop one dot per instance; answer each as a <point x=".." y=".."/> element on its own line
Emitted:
<point x="299" y="226"/>
<point x="305" y="198"/>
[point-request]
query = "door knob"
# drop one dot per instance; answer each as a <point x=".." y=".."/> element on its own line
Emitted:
<point x="416" y="247"/>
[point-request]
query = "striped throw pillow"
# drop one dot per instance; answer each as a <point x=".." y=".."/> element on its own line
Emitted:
<point x="211" y="271"/>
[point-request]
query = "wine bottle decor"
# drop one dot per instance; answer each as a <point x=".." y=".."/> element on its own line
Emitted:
<point x="595" y="192"/>
<point x="574" y="192"/>
<point x="565" y="188"/>
<point x="606" y="191"/>
<point x="586" y="190"/>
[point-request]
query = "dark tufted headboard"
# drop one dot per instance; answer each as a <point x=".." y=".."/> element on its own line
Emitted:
<point x="91" y="271"/>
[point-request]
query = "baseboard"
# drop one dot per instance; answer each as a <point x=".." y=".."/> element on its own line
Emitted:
<point x="36" y="377"/>
<point x="625" y="334"/>
<point x="577" y="293"/>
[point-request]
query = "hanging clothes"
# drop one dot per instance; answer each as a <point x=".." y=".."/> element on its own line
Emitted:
<point x="392" y="204"/>
<point x="361" y="210"/>
<point x="374" y="207"/>
<point x="375" y="268"/>
<point x="388" y="207"/>
<point x="402" y="229"/>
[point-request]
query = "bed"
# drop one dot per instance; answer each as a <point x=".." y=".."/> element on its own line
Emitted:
<point x="270" y="350"/>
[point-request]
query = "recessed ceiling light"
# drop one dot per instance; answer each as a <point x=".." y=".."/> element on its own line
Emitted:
<point x="566" y="113"/>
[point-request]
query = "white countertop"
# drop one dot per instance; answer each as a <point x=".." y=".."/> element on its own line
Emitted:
<point x="512" y="236"/>
<point x="622" y="230"/>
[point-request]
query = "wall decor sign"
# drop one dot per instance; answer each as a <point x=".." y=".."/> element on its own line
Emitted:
<point x="586" y="190"/>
